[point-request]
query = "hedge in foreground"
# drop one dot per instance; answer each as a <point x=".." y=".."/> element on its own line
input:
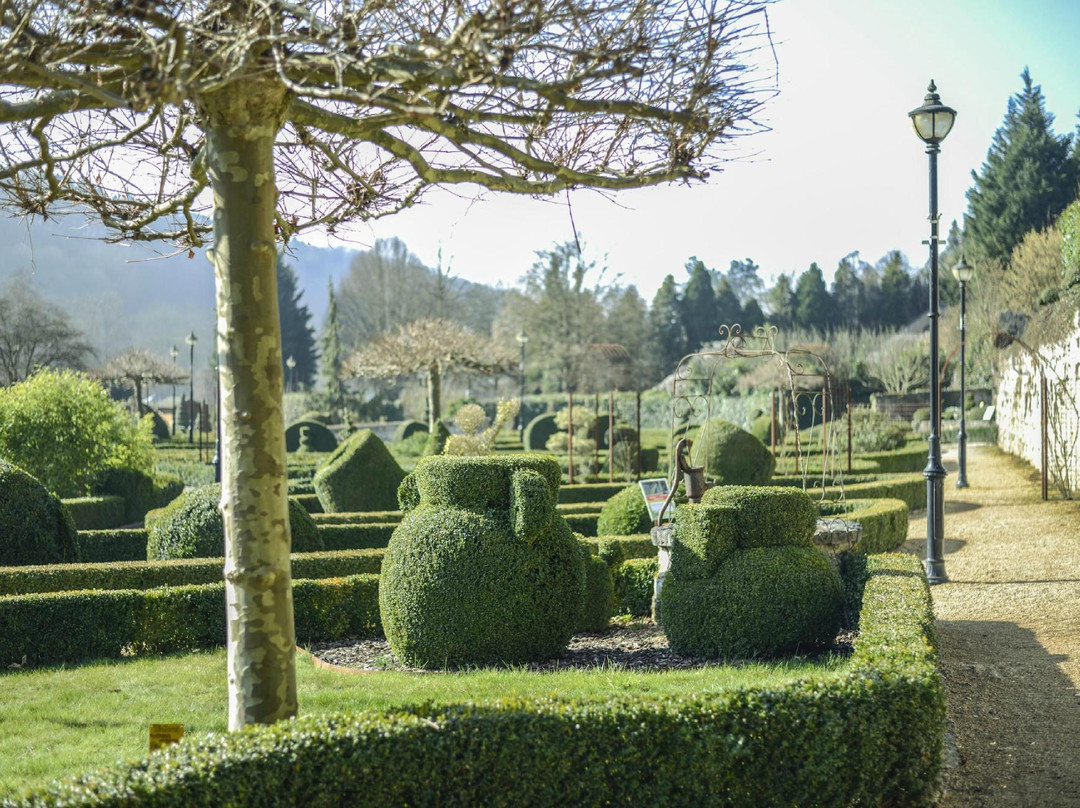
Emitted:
<point x="871" y="734"/>
<point x="70" y="627"/>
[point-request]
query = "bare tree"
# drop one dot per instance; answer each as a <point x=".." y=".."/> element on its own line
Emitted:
<point x="253" y="120"/>
<point x="35" y="334"/>
<point x="431" y="347"/>
<point x="138" y="366"/>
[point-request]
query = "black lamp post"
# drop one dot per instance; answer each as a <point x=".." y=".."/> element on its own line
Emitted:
<point x="932" y="122"/>
<point x="963" y="273"/>
<point x="191" y="340"/>
<point x="174" y="352"/>
<point x="522" y="338"/>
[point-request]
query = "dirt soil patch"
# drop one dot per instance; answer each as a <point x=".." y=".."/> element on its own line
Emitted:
<point x="1008" y="624"/>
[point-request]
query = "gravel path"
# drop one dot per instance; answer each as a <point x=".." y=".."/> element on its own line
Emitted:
<point x="1009" y="634"/>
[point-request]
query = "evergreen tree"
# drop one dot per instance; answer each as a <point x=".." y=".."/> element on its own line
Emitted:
<point x="869" y="296"/>
<point x="846" y="289"/>
<point x="745" y="281"/>
<point x="333" y="357"/>
<point x="813" y="305"/>
<point x="297" y="333"/>
<point x="948" y="286"/>
<point x="752" y="316"/>
<point x="626" y="311"/>
<point x="700" y="317"/>
<point x="899" y="301"/>
<point x="667" y="336"/>
<point x="728" y="310"/>
<point x="1028" y="178"/>
<point x="780" y="302"/>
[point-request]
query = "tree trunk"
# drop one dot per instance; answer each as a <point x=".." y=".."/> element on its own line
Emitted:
<point x="241" y="121"/>
<point x="434" y="395"/>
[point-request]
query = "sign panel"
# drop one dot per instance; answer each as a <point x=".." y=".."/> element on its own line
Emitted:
<point x="161" y="735"/>
<point x="656" y="491"/>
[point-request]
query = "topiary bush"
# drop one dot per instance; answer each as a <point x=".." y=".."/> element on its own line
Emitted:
<point x="538" y="431"/>
<point x="599" y="598"/>
<point x="360" y="475"/>
<point x="406" y="429"/>
<point x="63" y="429"/>
<point x="731" y="455"/>
<point x="873" y="431"/>
<point x="35" y="527"/>
<point x="481" y="569"/>
<point x="309" y="436"/>
<point x="160" y="429"/>
<point x="136" y="487"/>
<point x="436" y="439"/>
<point x="624" y="514"/>
<point x="761" y="428"/>
<point x="634" y="581"/>
<point x="191" y="526"/>
<point x="745" y="579"/>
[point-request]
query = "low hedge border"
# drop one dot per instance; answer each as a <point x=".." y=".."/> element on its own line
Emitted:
<point x="96" y="513"/>
<point x="309" y="501"/>
<point x="871" y="734"/>
<point x="356" y="537"/>
<point x="185" y="572"/>
<point x="909" y="487"/>
<point x="357" y="518"/>
<point x="589" y="492"/>
<point x="906" y="459"/>
<point x="71" y="627"/>
<point x="583" y="523"/>
<point x="884" y="522"/>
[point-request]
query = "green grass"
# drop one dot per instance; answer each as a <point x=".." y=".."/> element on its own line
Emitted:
<point x="55" y="723"/>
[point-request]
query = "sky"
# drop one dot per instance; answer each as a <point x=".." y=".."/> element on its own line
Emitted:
<point x="840" y="169"/>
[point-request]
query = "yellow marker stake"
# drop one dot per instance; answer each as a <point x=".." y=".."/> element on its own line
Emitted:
<point x="162" y="735"/>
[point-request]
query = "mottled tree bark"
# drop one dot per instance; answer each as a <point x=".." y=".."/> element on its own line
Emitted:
<point x="434" y="396"/>
<point x="242" y="120"/>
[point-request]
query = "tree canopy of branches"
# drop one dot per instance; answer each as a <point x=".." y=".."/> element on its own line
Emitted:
<point x="35" y="334"/>
<point x="138" y="367"/>
<point x="245" y="122"/>
<point x="430" y="347"/>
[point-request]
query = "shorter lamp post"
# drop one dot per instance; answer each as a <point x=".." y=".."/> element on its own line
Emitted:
<point x="174" y="352"/>
<point x="522" y="338"/>
<point x="191" y="340"/>
<point x="290" y="363"/>
<point x="963" y="273"/>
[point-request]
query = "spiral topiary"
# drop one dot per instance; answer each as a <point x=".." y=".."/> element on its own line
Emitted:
<point x="731" y="455"/>
<point x="191" y="526"/>
<point x="35" y="527"/>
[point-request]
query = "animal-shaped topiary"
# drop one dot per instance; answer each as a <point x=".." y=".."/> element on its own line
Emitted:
<point x="191" y="526"/>
<point x="745" y="579"/>
<point x="35" y="527"/>
<point x="481" y="569"/>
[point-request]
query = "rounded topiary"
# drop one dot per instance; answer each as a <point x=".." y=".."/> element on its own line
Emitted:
<point x="406" y="429"/>
<point x="160" y="428"/>
<point x="137" y="488"/>
<point x="323" y="418"/>
<point x="599" y="592"/>
<point x="481" y="569"/>
<point x="635" y="580"/>
<point x="361" y="475"/>
<point x="731" y="455"/>
<point x="538" y="431"/>
<point x="767" y="516"/>
<point x="309" y="436"/>
<point x="759" y="603"/>
<point x="35" y="527"/>
<point x="436" y="441"/>
<point x="191" y="526"/>
<point x="624" y="514"/>
<point x="761" y="428"/>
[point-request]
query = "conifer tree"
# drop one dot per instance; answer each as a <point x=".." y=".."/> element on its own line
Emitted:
<point x="333" y="356"/>
<point x="780" y="302"/>
<point x="667" y="336"/>
<point x="700" y="317"/>
<point x="813" y="305"/>
<point x="297" y="334"/>
<point x="1028" y="178"/>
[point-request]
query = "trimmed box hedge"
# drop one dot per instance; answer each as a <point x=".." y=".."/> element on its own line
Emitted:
<point x="583" y="523"/>
<point x="356" y="537"/>
<point x="588" y="492"/>
<point x="309" y="501"/>
<point x="909" y="487"/>
<point x="905" y="459"/>
<point x="96" y="513"/>
<point x="117" y="544"/>
<point x="870" y="734"/>
<point x="70" y="627"/>
<point x="884" y="522"/>
<point x="148" y="574"/>
<point x="357" y="518"/>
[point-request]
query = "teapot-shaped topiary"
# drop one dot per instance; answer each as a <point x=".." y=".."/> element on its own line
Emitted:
<point x="481" y="569"/>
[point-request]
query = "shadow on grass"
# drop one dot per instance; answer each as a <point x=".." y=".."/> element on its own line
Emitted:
<point x="1014" y="716"/>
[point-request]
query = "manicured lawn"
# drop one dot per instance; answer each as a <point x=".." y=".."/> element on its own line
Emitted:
<point x="59" y="722"/>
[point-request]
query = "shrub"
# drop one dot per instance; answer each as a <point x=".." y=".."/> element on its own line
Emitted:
<point x="481" y="569"/>
<point x="732" y="456"/>
<point x="599" y="592"/>
<point x="159" y="429"/>
<point x="436" y="440"/>
<point x="136" y="487"/>
<point x="873" y="431"/>
<point x="35" y="527"/>
<point x="191" y="526"/>
<point x="767" y="515"/>
<point x="538" y="431"/>
<point x="406" y="429"/>
<point x="62" y="428"/>
<point x="920" y="414"/>
<point x="759" y="603"/>
<point x="634" y="580"/>
<point x="761" y="428"/>
<point x="361" y="475"/>
<point x="117" y="544"/>
<point x="624" y="513"/>
<point x="309" y="436"/>
<point x="96" y="513"/>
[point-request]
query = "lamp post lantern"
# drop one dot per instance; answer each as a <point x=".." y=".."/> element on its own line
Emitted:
<point x="174" y="352"/>
<point x="191" y="340"/>
<point x="290" y="363"/>
<point x="933" y="121"/>
<point x="963" y="273"/>
<point x="522" y="338"/>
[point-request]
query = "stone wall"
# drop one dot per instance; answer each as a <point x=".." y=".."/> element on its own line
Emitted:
<point x="1019" y="407"/>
